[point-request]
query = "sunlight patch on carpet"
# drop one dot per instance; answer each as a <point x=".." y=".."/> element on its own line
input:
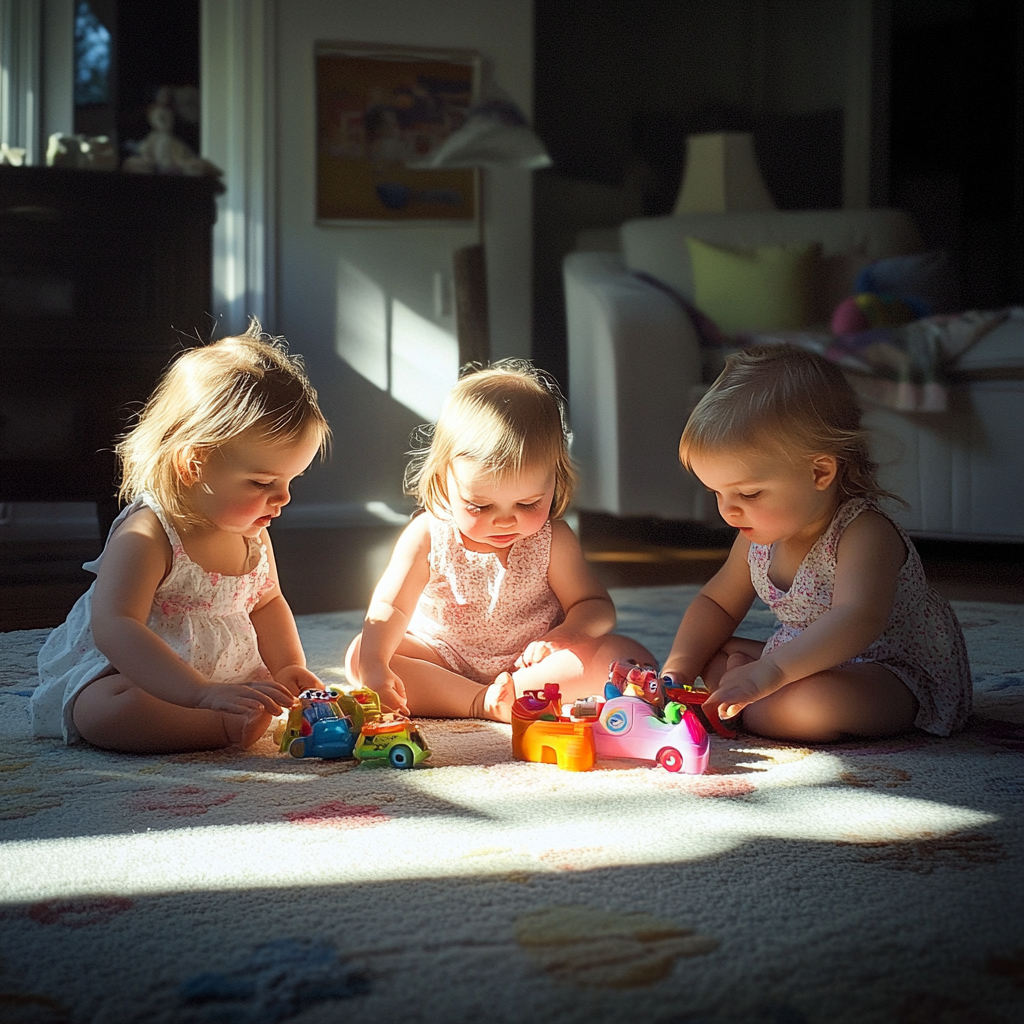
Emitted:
<point x="361" y="843"/>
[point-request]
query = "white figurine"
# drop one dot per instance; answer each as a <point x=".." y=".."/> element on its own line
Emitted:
<point x="162" y="152"/>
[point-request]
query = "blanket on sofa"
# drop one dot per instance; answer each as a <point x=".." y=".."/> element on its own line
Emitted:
<point x="906" y="368"/>
<point x="859" y="883"/>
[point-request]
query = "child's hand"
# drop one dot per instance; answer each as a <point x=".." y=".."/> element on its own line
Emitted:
<point x="245" y="698"/>
<point x="535" y="653"/>
<point x="389" y="688"/>
<point x="744" y="681"/>
<point x="296" y="678"/>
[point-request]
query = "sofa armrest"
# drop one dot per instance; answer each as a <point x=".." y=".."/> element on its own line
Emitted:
<point x="634" y="360"/>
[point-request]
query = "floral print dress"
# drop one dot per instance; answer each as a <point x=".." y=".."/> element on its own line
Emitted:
<point x="922" y="643"/>
<point x="202" y="616"/>
<point x="478" y="614"/>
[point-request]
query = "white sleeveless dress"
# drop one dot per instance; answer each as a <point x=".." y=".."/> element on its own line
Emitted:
<point x="922" y="643"/>
<point x="478" y="614"/>
<point x="202" y="616"/>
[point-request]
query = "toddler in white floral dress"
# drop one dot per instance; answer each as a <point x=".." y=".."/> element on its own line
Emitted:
<point x="487" y="592"/>
<point x="184" y="641"/>
<point x="864" y="647"/>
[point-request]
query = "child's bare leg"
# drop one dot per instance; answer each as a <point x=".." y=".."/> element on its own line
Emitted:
<point x="433" y="690"/>
<point x="112" y="712"/>
<point x="736" y="651"/>
<point x="859" y="700"/>
<point x="582" y="669"/>
<point x="436" y="692"/>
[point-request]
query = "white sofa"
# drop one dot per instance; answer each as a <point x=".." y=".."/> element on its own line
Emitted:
<point x="635" y="370"/>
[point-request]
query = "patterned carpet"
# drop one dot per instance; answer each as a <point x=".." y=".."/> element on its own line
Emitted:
<point x="861" y="882"/>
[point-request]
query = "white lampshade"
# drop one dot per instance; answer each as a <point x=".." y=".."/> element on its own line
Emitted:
<point x="722" y="174"/>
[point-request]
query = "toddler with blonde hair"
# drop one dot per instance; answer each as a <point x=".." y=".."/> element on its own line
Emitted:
<point x="864" y="647"/>
<point x="487" y="592"/>
<point x="185" y="641"/>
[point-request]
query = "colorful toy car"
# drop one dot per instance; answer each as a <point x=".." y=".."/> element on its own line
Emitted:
<point x="393" y="738"/>
<point x="631" y="679"/>
<point x="630" y="727"/>
<point x="318" y="727"/>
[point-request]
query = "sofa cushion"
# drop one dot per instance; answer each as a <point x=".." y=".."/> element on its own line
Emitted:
<point x="766" y="288"/>
<point x="850" y="239"/>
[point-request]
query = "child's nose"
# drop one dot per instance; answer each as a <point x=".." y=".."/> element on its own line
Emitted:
<point x="281" y="496"/>
<point x="727" y="508"/>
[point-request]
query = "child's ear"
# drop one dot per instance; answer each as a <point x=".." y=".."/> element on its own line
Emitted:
<point x="825" y="469"/>
<point x="188" y="463"/>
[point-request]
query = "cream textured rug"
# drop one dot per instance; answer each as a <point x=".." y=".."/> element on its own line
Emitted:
<point x="863" y="882"/>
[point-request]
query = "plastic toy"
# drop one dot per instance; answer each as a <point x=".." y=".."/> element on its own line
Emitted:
<point x="541" y="733"/>
<point x="636" y="724"/>
<point x="333" y="724"/>
<point x="317" y="727"/>
<point x="629" y="678"/>
<point x="630" y="727"/>
<point x="393" y="738"/>
<point x="696" y="701"/>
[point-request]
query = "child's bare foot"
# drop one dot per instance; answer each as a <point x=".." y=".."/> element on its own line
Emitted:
<point x="246" y="730"/>
<point x="499" y="698"/>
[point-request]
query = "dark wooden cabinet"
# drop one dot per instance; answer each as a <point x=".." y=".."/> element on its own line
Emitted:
<point x="103" y="276"/>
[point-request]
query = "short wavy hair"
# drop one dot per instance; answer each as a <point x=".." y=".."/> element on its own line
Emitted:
<point x="205" y="398"/>
<point x="504" y="418"/>
<point x="788" y="401"/>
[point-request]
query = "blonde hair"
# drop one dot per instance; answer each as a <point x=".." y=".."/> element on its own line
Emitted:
<point x="208" y="396"/>
<point x="790" y="402"/>
<point x="505" y="418"/>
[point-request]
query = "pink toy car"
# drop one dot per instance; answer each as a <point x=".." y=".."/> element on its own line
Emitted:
<point x="630" y="727"/>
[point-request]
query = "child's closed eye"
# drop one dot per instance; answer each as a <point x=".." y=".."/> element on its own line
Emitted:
<point x="259" y="483"/>
<point x="751" y="497"/>
<point x="529" y="507"/>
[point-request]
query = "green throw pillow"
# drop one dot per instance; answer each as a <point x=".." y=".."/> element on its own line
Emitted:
<point x="771" y="288"/>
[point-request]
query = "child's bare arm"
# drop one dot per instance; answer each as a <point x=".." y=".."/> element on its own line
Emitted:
<point x="391" y="607"/>
<point x="278" y="636"/>
<point x="136" y="560"/>
<point x="870" y="556"/>
<point x="589" y="611"/>
<point x="712" y="616"/>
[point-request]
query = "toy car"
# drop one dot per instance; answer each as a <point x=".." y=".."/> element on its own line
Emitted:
<point x="630" y="727"/>
<point x="318" y="727"/>
<point x="394" y="738"/>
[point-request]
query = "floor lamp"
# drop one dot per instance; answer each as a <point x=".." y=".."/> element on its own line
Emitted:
<point x="495" y="134"/>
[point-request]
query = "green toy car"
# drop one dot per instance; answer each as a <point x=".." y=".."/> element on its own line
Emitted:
<point x="393" y="738"/>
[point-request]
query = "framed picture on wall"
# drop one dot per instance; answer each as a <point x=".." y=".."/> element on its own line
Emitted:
<point x="378" y="108"/>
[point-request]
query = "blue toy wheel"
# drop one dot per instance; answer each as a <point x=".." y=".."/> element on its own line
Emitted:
<point x="297" y="747"/>
<point x="401" y="756"/>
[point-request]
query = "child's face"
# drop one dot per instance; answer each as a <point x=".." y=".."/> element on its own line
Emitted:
<point x="494" y="512"/>
<point x="770" y="500"/>
<point x="245" y="483"/>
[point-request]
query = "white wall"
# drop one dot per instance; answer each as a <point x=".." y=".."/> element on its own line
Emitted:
<point x="338" y="289"/>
